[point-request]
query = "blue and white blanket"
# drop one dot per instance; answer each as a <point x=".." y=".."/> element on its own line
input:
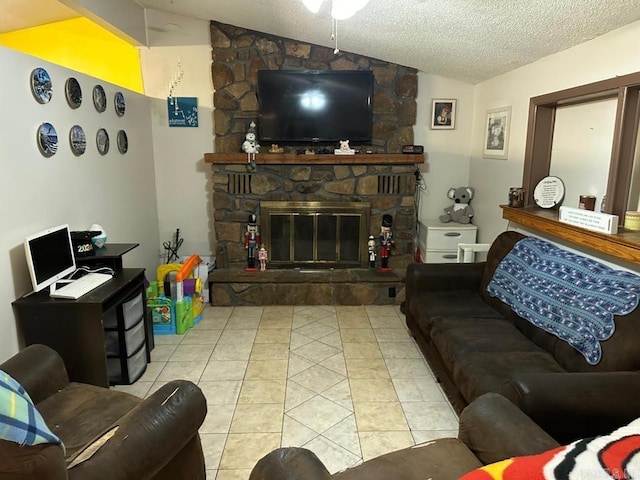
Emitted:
<point x="566" y="294"/>
<point x="20" y="422"/>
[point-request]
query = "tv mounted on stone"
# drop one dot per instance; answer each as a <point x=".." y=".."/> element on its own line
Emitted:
<point x="315" y="106"/>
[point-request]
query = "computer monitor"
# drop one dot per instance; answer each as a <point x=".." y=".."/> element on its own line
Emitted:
<point x="49" y="256"/>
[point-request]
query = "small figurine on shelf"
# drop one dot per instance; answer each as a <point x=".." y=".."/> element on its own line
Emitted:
<point x="344" y="148"/>
<point x="386" y="242"/>
<point x="251" y="147"/>
<point x="372" y="252"/>
<point x="251" y="240"/>
<point x="262" y="256"/>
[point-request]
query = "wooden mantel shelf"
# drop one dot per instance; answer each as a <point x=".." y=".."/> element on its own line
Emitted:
<point x="328" y="159"/>
<point x="624" y="245"/>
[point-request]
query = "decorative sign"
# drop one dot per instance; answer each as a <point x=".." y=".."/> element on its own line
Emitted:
<point x="182" y="111"/>
<point x="595" y="221"/>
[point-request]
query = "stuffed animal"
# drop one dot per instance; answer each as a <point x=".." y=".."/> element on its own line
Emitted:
<point x="460" y="211"/>
<point x="344" y="145"/>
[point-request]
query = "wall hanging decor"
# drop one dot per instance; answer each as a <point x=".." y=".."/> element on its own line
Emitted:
<point x="99" y="98"/>
<point x="78" y="140"/>
<point x="118" y="101"/>
<point x="182" y="111"/>
<point x="122" y="141"/>
<point x="443" y="114"/>
<point x="102" y="141"/>
<point x="73" y="92"/>
<point x="41" y="86"/>
<point x="496" y="143"/>
<point x="47" y="139"/>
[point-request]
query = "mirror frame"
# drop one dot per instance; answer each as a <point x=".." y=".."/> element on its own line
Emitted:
<point x="542" y="113"/>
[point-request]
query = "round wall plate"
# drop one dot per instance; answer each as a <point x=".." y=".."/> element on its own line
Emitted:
<point x="118" y="101"/>
<point x="47" y="139"/>
<point x="102" y="141"/>
<point x="78" y="140"/>
<point x="122" y="141"/>
<point x="99" y="98"/>
<point x="73" y="92"/>
<point x="549" y="192"/>
<point x="41" y="86"/>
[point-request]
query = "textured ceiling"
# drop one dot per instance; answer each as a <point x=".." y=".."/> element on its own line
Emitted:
<point x="469" y="40"/>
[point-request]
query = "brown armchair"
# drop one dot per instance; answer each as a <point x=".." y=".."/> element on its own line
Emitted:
<point x="157" y="438"/>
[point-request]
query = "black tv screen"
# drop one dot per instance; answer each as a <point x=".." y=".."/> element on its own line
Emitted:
<point x="325" y="106"/>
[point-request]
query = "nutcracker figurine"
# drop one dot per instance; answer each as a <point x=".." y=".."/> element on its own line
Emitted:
<point x="251" y="241"/>
<point x="372" y="252"/>
<point x="386" y="242"/>
<point x="262" y="256"/>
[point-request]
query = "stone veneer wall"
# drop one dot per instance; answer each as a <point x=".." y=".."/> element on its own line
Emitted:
<point x="239" y="53"/>
<point x="236" y="194"/>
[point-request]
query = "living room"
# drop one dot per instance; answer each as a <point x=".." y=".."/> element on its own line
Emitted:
<point x="162" y="183"/>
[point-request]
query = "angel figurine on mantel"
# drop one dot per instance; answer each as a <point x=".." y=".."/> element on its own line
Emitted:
<point x="251" y="147"/>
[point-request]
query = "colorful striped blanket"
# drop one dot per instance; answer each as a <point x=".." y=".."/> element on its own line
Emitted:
<point x="20" y="422"/>
<point x="566" y="294"/>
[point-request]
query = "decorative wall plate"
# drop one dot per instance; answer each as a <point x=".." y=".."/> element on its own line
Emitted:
<point x="47" y="139"/>
<point x="78" y="140"/>
<point x="102" y="141"/>
<point x="73" y="92"/>
<point x="41" y="85"/>
<point x="118" y="101"/>
<point x="122" y="141"/>
<point x="549" y="192"/>
<point x="99" y="98"/>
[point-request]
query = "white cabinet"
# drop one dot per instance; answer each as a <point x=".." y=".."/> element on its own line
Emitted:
<point x="439" y="241"/>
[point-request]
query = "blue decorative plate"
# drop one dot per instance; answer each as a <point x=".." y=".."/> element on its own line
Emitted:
<point x="73" y="92"/>
<point x="99" y="98"/>
<point x="78" y="140"/>
<point x="119" y="103"/>
<point x="41" y="85"/>
<point x="102" y="141"/>
<point x="47" y="139"/>
<point x="122" y="141"/>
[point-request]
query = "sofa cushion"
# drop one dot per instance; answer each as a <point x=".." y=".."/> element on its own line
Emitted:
<point x="80" y="413"/>
<point x="446" y="458"/>
<point x="476" y="373"/>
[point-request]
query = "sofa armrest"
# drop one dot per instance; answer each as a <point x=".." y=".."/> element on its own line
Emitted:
<point x="443" y="276"/>
<point x="39" y="369"/>
<point x="148" y="436"/>
<point x="292" y="463"/>
<point x="493" y="428"/>
<point x="576" y="405"/>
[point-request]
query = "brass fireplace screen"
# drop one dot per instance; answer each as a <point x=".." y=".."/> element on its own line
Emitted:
<point x="318" y="234"/>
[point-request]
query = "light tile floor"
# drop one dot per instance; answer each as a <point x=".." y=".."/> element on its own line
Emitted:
<point x="348" y="383"/>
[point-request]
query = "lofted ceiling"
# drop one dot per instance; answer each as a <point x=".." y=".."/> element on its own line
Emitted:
<point x="467" y="40"/>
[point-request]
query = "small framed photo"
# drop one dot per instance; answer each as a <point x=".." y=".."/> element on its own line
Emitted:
<point x="443" y="114"/>
<point x="496" y="140"/>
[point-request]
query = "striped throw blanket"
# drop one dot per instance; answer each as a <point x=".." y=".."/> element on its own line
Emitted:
<point x="20" y="422"/>
<point x="566" y="294"/>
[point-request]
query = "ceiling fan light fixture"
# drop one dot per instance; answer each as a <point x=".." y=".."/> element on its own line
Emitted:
<point x="340" y="9"/>
<point x="313" y="5"/>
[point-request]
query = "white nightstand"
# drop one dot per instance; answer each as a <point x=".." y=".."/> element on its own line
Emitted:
<point x="439" y="241"/>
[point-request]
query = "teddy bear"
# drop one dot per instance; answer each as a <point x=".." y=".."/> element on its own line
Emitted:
<point x="460" y="211"/>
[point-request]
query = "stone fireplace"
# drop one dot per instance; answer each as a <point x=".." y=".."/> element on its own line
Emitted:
<point x="315" y="234"/>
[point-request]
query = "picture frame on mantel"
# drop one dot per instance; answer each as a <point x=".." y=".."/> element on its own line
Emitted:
<point x="443" y="114"/>
<point x="496" y="139"/>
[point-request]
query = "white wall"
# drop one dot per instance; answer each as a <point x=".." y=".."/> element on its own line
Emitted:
<point x="184" y="194"/>
<point x="116" y="191"/>
<point x="615" y="53"/>
<point x="447" y="151"/>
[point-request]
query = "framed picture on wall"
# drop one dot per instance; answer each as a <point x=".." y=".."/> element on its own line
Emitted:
<point x="496" y="138"/>
<point x="443" y="114"/>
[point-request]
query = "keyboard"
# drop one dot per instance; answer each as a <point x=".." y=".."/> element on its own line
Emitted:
<point x="81" y="286"/>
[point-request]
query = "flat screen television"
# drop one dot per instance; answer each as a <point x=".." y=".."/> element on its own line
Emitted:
<point x="315" y="106"/>
<point x="49" y="256"/>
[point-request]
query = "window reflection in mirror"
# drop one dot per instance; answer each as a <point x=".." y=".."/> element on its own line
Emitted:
<point x="581" y="149"/>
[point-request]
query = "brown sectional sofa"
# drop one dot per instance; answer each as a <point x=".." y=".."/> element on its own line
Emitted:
<point x="491" y="429"/>
<point x="476" y="344"/>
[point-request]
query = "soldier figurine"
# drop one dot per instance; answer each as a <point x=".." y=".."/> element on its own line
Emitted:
<point x="262" y="256"/>
<point x="251" y="241"/>
<point x="372" y="252"/>
<point x="386" y="242"/>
